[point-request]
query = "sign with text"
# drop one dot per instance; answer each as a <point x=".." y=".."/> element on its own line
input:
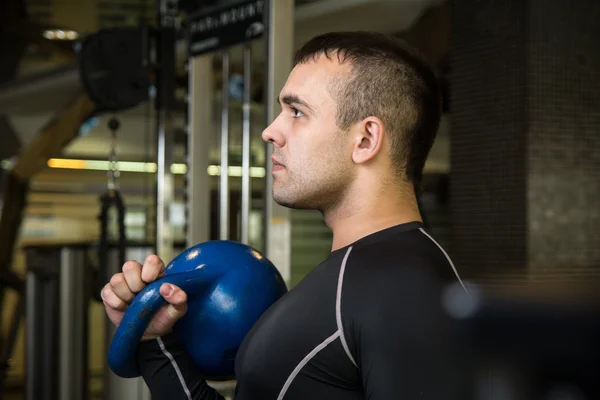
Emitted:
<point x="226" y="27"/>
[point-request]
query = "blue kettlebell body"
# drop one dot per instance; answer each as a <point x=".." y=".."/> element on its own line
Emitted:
<point x="229" y="286"/>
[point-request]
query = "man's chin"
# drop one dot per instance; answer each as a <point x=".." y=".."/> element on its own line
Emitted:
<point x="283" y="200"/>
<point x="294" y="203"/>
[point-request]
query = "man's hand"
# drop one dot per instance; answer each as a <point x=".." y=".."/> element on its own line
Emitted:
<point x="122" y="288"/>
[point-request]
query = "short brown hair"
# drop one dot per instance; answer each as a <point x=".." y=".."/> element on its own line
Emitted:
<point x="390" y="80"/>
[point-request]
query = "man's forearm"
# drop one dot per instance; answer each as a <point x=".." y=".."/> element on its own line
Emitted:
<point x="170" y="373"/>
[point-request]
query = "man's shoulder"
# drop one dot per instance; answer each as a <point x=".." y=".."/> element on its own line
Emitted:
<point x="390" y="284"/>
<point x="390" y="274"/>
<point x="399" y="255"/>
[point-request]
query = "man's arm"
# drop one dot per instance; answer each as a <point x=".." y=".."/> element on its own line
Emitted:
<point x="170" y="372"/>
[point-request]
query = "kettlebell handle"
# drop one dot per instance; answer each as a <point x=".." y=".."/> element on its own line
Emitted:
<point x="121" y="356"/>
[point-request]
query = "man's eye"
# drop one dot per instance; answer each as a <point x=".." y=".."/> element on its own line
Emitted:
<point x="297" y="113"/>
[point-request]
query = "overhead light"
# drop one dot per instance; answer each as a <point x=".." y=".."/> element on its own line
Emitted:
<point x="59" y="34"/>
<point x="6" y="164"/>
<point x="66" y="164"/>
<point x="234" y="171"/>
<point x="102" y="165"/>
<point x="179" y="169"/>
<point x="147" y="167"/>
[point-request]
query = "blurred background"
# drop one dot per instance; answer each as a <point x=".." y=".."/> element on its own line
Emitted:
<point x="511" y="188"/>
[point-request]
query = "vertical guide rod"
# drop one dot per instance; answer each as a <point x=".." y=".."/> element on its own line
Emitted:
<point x="164" y="104"/>
<point x="246" y="204"/>
<point x="33" y="347"/>
<point x="224" y="195"/>
<point x="164" y="189"/>
<point x="73" y="317"/>
<point x="200" y="130"/>
<point x="279" y="20"/>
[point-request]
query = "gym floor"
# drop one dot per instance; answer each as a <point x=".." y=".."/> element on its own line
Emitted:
<point x="14" y="394"/>
<point x="19" y="394"/>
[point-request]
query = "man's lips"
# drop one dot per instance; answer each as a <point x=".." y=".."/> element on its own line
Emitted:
<point x="276" y="164"/>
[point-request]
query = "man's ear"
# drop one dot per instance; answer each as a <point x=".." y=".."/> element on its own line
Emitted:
<point x="368" y="140"/>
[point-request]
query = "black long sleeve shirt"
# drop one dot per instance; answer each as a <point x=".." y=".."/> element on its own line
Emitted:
<point x="366" y="323"/>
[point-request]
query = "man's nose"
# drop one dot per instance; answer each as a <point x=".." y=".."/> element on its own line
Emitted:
<point x="273" y="135"/>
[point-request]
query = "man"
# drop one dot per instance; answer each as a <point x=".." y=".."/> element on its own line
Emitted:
<point x="359" y="114"/>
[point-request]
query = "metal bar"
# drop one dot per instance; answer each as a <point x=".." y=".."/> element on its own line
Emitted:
<point x="32" y="346"/>
<point x="13" y="332"/>
<point x="280" y="45"/>
<point x="246" y="196"/>
<point x="165" y="100"/>
<point x="268" y="194"/>
<point x="224" y="193"/>
<point x="73" y="317"/>
<point x="47" y="333"/>
<point x="14" y="200"/>
<point x="41" y="328"/>
<point x="164" y="193"/>
<point x="167" y="23"/>
<point x="200" y="130"/>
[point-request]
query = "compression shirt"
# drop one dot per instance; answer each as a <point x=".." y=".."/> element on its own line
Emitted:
<point x="366" y="323"/>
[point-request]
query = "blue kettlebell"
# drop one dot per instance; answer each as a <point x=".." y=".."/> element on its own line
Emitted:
<point x="229" y="286"/>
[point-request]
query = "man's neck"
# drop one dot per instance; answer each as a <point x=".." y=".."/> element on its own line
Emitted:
<point x="352" y="220"/>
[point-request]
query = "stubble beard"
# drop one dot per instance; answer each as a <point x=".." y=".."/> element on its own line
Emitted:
<point x="318" y="188"/>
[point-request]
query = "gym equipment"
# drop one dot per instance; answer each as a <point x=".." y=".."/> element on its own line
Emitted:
<point x="14" y="200"/>
<point x="165" y="103"/>
<point x="56" y="328"/>
<point x="113" y="68"/>
<point x="32" y="158"/>
<point x="229" y="286"/>
<point x="111" y="198"/>
<point x="218" y="44"/>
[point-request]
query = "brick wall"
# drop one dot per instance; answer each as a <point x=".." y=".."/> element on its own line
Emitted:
<point x="489" y="122"/>
<point x="564" y="133"/>
<point x="525" y="148"/>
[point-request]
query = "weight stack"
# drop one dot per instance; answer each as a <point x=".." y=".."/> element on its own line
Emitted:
<point x="57" y="302"/>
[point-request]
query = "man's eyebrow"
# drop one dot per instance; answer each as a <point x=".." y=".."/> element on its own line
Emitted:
<point x="291" y="99"/>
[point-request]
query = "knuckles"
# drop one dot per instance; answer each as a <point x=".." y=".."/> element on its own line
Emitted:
<point x="117" y="279"/>
<point x="130" y="266"/>
<point x="153" y="259"/>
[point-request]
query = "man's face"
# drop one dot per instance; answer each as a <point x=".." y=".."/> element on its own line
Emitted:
<point x="311" y="157"/>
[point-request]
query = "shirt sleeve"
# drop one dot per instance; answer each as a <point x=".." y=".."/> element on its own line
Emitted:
<point x="170" y="373"/>
<point x="404" y="342"/>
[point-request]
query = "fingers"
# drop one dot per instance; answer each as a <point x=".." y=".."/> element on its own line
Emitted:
<point x="123" y="286"/>
<point x="135" y="276"/>
<point x="173" y="294"/>
<point x="120" y="288"/>
<point x="166" y="317"/>
<point x="153" y="269"/>
<point x="177" y="300"/>
<point x="176" y="311"/>
<point x="132" y="271"/>
<point x="111" y="299"/>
